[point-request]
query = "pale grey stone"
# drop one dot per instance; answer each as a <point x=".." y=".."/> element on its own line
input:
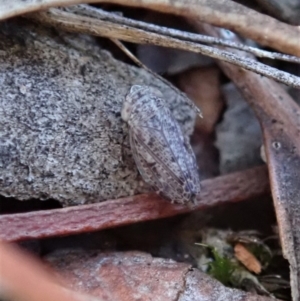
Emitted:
<point x="61" y="132"/>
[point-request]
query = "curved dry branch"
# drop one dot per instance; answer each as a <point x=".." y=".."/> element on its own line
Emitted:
<point x="101" y="14"/>
<point x="223" y="13"/>
<point x="72" y="22"/>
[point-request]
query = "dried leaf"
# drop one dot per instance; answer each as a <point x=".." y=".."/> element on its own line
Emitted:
<point x="247" y="259"/>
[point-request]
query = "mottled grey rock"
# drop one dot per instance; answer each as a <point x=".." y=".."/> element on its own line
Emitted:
<point x="61" y="134"/>
<point x="238" y="136"/>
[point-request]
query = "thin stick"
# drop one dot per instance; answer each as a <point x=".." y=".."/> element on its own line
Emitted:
<point x="87" y="25"/>
<point x="140" y="64"/>
<point x="222" y="13"/>
<point x="101" y="14"/>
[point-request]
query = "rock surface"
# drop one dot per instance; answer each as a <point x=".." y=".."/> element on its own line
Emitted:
<point x="61" y="133"/>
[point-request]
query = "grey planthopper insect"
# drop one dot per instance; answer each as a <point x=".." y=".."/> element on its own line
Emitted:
<point x="163" y="156"/>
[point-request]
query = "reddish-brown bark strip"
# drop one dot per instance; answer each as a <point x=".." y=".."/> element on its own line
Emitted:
<point x="234" y="187"/>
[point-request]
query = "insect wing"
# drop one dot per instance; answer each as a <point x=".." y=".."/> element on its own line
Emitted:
<point x="183" y="152"/>
<point x="143" y="166"/>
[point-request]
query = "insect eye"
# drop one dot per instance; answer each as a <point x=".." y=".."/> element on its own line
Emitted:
<point x="126" y="111"/>
<point x="135" y="88"/>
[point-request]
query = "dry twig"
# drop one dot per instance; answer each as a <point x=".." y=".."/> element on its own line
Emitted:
<point x="222" y="13"/>
<point x="101" y="14"/>
<point x="75" y="23"/>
